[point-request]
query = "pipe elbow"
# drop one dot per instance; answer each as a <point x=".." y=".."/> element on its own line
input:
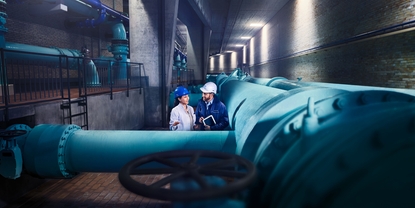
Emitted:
<point x="119" y="32"/>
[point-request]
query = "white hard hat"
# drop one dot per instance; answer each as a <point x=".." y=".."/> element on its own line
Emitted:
<point x="209" y="87"/>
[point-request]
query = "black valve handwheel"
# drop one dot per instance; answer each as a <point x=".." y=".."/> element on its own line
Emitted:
<point x="239" y="170"/>
<point x="12" y="133"/>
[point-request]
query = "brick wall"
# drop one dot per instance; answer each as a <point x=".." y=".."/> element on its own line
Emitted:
<point x="49" y="30"/>
<point x="296" y="38"/>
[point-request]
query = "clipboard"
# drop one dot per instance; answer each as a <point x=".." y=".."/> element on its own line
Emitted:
<point x="210" y="121"/>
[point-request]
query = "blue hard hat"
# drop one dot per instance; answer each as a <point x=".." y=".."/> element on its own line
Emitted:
<point x="180" y="91"/>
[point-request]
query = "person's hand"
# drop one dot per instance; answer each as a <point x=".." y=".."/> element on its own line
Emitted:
<point x="176" y="123"/>
<point x="207" y="128"/>
<point x="201" y="120"/>
<point x="196" y="127"/>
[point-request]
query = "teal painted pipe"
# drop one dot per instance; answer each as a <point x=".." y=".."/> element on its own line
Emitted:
<point x="254" y="109"/>
<point x="290" y="84"/>
<point x="53" y="52"/>
<point x="312" y="145"/>
<point x="284" y="84"/>
<point x="261" y="81"/>
<point x="92" y="78"/>
<point x="3" y="29"/>
<point x="119" y="49"/>
<point x="119" y="67"/>
<point x="318" y="138"/>
<point x="50" y="56"/>
<point x="61" y="151"/>
<point x="354" y="144"/>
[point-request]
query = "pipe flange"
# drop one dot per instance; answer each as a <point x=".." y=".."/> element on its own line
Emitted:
<point x="359" y="160"/>
<point x="61" y="150"/>
<point x="119" y="42"/>
<point x="279" y="140"/>
<point x="20" y="127"/>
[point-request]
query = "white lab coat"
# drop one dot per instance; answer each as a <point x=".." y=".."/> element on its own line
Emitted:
<point x="186" y="118"/>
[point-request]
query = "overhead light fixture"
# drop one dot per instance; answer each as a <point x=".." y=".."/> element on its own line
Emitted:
<point x="255" y="25"/>
<point x="245" y="37"/>
<point x="239" y="45"/>
<point x="228" y="51"/>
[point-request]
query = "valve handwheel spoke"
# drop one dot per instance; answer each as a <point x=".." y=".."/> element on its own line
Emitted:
<point x="199" y="179"/>
<point x="225" y="173"/>
<point x="220" y="163"/>
<point x="154" y="171"/>
<point x="166" y="162"/>
<point x="12" y="133"/>
<point x="199" y="169"/>
<point x="167" y="179"/>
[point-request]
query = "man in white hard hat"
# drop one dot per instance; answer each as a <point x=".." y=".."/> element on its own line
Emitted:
<point x="210" y="105"/>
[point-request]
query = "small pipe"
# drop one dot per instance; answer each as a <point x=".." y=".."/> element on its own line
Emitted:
<point x="93" y="22"/>
<point x="98" y="5"/>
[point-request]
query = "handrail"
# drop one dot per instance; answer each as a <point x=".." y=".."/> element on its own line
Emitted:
<point x="28" y="82"/>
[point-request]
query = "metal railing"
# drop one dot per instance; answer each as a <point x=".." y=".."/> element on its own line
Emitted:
<point x="182" y="76"/>
<point x="28" y="78"/>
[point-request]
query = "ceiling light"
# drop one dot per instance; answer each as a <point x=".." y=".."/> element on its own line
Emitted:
<point x="239" y="45"/>
<point x="255" y="25"/>
<point x="245" y="37"/>
<point x="228" y="51"/>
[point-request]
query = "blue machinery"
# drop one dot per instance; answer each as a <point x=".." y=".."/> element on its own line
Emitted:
<point x="98" y="14"/>
<point x="312" y="144"/>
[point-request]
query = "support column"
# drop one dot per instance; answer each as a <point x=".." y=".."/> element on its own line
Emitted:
<point x="197" y="40"/>
<point x="152" y="33"/>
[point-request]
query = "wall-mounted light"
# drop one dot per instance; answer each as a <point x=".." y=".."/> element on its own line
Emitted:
<point x="214" y="54"/>
<point x="256" y="25"/>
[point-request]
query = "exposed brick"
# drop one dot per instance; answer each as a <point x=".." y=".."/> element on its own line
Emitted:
<point x="382" y="61"/>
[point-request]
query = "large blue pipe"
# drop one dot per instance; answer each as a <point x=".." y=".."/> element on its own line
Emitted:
<point x="254" y="109"/>
<point x="43" y="55"/>
<point x="317" y="144"/>
<point x="62" y="151"/>
<point x="313" y="139"/>
<point x="27" y="54"/>
<point x="119" y="46"/>
<point x="284" y="84"/>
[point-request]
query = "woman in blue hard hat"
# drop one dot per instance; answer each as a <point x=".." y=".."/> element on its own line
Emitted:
<point x="182" y="116"/>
